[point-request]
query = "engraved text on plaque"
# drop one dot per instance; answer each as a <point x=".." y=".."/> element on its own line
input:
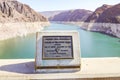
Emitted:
<point x="57" y="47"/>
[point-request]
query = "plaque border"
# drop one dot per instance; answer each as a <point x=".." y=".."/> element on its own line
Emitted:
<point x="52" y="58"/>
<point x="57" y="67"/>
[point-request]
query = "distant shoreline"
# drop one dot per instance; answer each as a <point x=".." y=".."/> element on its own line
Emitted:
<point x="111" y="29"/>
<point x="10" y="30"/>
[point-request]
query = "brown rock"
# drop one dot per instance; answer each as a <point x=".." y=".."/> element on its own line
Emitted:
<point x="71" y="15"/>
<point x="97" y="13"/>
<point x="14" y="11"/>
<point x="110" y="15"/>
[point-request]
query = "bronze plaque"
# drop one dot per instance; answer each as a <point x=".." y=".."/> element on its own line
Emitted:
<point x="57" y="47"/>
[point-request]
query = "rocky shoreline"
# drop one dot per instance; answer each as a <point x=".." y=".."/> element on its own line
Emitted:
<point x="10" y="30"/>
<point x="107" y="28"/>
<point x="111" y="29"/>
<point x="18" y="19"/>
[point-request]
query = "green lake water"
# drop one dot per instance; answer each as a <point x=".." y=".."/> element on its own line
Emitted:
<point x="92" y="44"/>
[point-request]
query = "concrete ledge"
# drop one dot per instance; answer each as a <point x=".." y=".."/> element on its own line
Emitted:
<point x="91" y="68"/>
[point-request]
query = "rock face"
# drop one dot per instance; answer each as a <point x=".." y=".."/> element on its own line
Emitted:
<point x="14" y="11"/>
<point x="96" y="14"/>
<point x="71" y="15"/>
<point x="17" y="19"/>
<point x="49" y="14"/>
<point x="105" y="19"/>
<point x="106" y="14"/>
<point x="110" y="15"/>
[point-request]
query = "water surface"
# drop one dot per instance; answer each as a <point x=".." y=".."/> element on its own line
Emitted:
<point x="92" y="44"/>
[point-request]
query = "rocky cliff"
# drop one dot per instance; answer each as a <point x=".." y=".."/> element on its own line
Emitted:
<point x="49" y="14"/>
<point x="110" y="15"/>
<point x="96" y="14"/>
<point x="72" y="15"/>
<point x="17" y="19"/>
<point x="105" y="14"/>
<point x="105" y="19"/>
<point x="14" y="11"/>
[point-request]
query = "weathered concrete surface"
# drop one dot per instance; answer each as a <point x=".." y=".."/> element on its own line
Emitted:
<point x="91" y="69"/>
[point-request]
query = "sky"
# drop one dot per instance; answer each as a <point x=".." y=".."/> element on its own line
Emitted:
<point x="51" y="5"/>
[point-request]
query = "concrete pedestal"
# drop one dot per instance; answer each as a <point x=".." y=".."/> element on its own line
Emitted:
<point x="70" y="63"/>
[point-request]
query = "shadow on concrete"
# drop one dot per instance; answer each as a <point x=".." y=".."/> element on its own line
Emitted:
<point x="24" y="68"/>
